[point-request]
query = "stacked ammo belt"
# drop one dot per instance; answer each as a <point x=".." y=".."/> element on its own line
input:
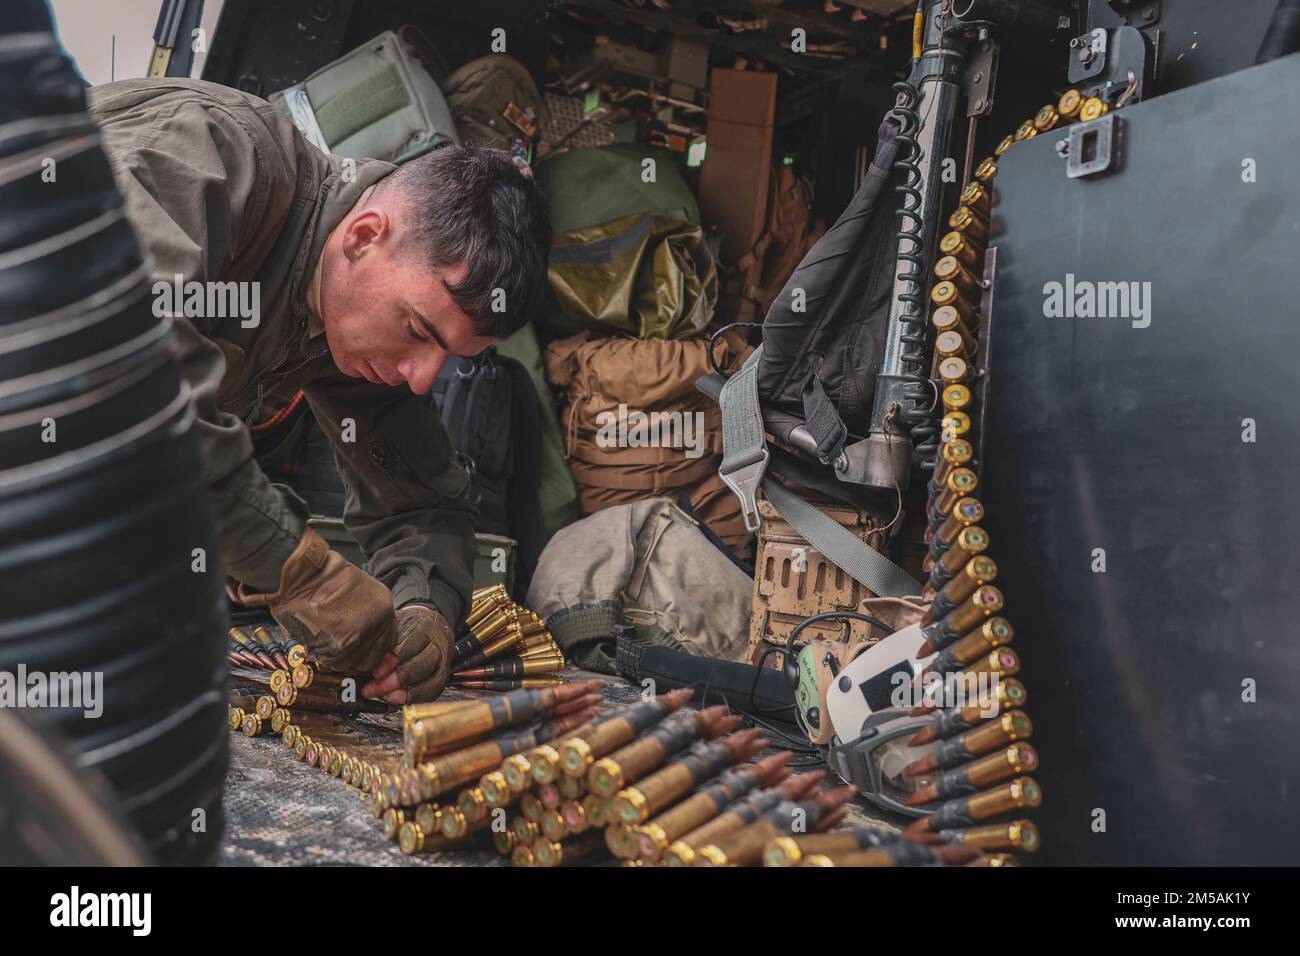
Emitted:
<point x="303" y="705"/>
<point x="507" y="647"/>
<point x="981" y="770"/>
<point x="643" y="784"/>
<point x="261" y="650"/>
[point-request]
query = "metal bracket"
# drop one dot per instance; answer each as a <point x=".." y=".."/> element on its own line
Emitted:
<point x="980" y="78"/>
<point x="1091" y="148"/>
<point x="1088" y="55"/>
<point x="1113" y="62"/>
<point x="984" y="349"/>
<point x="744" y="482"/>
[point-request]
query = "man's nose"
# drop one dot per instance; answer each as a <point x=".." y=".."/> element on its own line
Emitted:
<point x="420" y="373"/>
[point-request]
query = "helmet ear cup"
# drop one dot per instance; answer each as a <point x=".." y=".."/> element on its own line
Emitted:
<point x="791" y="655"/>
<point x="791" y="667"/>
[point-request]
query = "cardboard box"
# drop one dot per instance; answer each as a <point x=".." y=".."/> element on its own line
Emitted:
<point x="736" y="172"/>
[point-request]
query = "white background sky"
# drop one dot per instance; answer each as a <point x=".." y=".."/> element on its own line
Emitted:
<point x="87" y="29"/>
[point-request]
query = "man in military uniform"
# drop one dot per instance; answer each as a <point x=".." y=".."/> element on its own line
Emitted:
<point x="369" y="277"/>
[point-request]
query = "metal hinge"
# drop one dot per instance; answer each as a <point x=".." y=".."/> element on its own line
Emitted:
<point x="980" y="76"/>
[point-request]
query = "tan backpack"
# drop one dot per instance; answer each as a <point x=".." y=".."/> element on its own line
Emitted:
<point x="654" y="378"/>
<point x="493" y="100"/>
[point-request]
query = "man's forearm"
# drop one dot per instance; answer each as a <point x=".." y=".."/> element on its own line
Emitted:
<point x="260" y="525"/>
<point x="407" y="502"/>
<point x="424" y="555"/>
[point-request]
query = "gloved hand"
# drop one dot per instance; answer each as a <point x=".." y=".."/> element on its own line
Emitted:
<point x="342" y="615"/>
<point x="420" y="664"/>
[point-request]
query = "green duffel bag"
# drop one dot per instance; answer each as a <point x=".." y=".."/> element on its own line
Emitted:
<point x="642" y="275"/>
<point x="377" y="102"/>
<point x="629" y="256"/>
<point x="585" y="187"/>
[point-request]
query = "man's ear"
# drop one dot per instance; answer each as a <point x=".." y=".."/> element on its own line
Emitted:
<point x="366" y="229"/>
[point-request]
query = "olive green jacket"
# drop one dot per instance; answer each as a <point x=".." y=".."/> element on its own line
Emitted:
<point x="221" y="187"/>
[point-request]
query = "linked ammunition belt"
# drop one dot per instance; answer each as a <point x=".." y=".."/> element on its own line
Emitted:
<point x="981" y="770"/>
<point x="642" y="785"/>
<point x="508" y="648"/>
<point x="549" y="782"/>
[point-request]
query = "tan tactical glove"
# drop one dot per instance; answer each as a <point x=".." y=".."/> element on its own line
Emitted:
<point x="342" y="615"/>
<point x="420" y="664"/>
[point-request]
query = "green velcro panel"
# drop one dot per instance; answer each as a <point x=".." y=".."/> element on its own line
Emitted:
<point x="585" y="633"/>
<point x="361" y="105"/>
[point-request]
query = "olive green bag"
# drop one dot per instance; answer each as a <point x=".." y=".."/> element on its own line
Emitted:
<point x="377" y="102"/>
<point x="629" y="253"/>
<point x="493" y="100"/>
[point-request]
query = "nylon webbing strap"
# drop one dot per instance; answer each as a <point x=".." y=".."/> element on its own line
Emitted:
<point x="744" y="460"/>
<point x="304" y="117"/>
<point x="744" y="453"/>
<point x="855" y="557"/>
<point x="823" y="421"/>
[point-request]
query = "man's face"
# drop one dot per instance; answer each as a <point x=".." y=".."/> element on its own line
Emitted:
<point x="388" y="317"/>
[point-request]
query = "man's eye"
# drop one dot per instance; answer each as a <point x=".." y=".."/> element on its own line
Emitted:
<point x="410" y="330"/>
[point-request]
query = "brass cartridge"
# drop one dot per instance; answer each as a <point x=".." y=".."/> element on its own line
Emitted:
<point x="1047" y="118"/>
<point x="1093" y="108"/>
<point x="969" y="542"/>
<point x="960" y="483"/>
<point x="955" y="370"/>
<point x="955" y="425"/>
<point x="950" y="269"/>
<point x="966" y="512"/>
<point x="1070" y="103"/>
<point x="957" y="398"/>
<point x="1001" y="661"/>
<point x="951" y="343"/>
<point x="946" y="294"/>
<point x="977" y="196"/>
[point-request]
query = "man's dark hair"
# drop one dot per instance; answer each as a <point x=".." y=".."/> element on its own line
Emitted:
<point x="472" y="204"/>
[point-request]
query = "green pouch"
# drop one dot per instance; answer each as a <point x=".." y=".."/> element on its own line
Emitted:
<point x="377" y="102"/>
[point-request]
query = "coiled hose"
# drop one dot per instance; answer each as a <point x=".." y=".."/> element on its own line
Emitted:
<point x="916" y="413"/>
<point x="108" y="557"/>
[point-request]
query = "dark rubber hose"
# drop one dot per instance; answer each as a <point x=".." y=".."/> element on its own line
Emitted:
<point x="109" y="563"/>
